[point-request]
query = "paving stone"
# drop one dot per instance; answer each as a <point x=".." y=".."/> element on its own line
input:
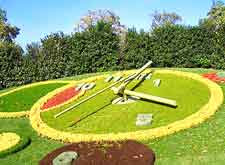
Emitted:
<point x="65" y="158"/>
<point x="143" y="119"/>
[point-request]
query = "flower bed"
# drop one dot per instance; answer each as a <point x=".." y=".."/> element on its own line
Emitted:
<point x="8" y="140"/>
<point x="215" y="100"/>
<point x="23" y="113"/>
<point x="216" y="77"/>
<point x="12" y="142"/>
<point x="60" y="98"/>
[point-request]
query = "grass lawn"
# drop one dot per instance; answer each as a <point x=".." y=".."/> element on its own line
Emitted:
<point x="190" y="95"/>
<point x="23" y="99"/>
<point x="202" y="145"/>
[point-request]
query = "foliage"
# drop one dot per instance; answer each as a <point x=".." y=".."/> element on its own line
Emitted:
<point x="94" y="50"/>
<point x="7" y="31"/>
<point x="103" y="44"/>
<point x="10" y="63"/>
<point x="164" y="18"/>
<point x="54" y="54"/>
<point x="93" y="17"/>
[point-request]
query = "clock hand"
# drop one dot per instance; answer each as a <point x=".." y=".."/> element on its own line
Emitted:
<point x="122" y="87"/>
<point x="151" y="98"/>
<point x="86" y="99"/>
<point x="132" y="77"/>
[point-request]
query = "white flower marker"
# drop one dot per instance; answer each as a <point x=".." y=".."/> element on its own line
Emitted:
<point x="142" y="76"/>
<point x="149" y="76"/>
<point x="88" y="86"/>
<point x="79" y="86"/>
<point x="157" y="82"/>
<point x="108" y="79"/>
<point x="117" y="78"/>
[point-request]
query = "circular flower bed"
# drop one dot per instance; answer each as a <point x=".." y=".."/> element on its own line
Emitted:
<point x="215" y="100"/>
<point x="8" y="140"/>
<point x="216" y="77"/>
<point x="60" y="98"/>
<point x="12" y="142"/>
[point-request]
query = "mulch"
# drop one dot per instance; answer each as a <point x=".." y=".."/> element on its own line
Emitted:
<point x="106" y="153"/>
<point x="60" y="98"/>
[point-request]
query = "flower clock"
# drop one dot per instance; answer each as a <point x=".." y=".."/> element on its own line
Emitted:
<point x="136" y="104"/>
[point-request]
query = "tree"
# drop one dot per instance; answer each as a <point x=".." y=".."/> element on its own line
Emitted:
<point x="7" y="31"/>
<point x="95" y="16"/>
<point x="160" y="19"/>
<point x="33" y="50"/>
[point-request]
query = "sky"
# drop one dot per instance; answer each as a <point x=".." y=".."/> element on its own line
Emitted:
<point x="38" y="18"/>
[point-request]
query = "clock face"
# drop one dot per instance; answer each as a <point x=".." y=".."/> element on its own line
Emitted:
<point x="105" y="114"/>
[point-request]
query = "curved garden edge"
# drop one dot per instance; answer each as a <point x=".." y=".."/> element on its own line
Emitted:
<point x="25" y="113"/>
<point x="23" y="142"/>
<point x="204" y="113"/>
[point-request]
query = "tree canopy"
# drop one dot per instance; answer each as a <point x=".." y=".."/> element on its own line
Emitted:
<point x="160" y="19"/>
<point x="8" y="32"/>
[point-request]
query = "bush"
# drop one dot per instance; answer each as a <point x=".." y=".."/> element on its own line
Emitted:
<point x="98" y="49"/>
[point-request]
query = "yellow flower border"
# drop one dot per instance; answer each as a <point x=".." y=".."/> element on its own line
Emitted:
<point x="216" y="99"/>
<point x="26" y="113"/>
<point x="8" y="140"/>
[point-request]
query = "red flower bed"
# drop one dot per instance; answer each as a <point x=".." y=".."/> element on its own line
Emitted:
<point x="60" y="98"/>
<point x="214" y="77"/>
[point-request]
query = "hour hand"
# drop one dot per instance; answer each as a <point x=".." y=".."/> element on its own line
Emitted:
<point x="157" y="99"/>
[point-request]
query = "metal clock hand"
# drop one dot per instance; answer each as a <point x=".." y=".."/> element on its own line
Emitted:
<point x="126" y="81"/>
<point x="151" y="98"/>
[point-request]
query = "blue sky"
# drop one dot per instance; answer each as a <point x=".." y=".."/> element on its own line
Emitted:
<point x="37" y="18"/>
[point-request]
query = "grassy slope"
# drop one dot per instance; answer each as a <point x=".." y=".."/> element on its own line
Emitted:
<point x="189" y="94"/>
<point x="22" y="100"/>
<point x="203" y="145"/>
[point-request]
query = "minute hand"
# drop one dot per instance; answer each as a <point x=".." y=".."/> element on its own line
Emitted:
<point x="151" y="98"/>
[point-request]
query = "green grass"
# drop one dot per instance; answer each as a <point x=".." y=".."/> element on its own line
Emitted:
<point x="201" y="145"/>
<point x="23" y="99"/>
<point x="190" y="95"/>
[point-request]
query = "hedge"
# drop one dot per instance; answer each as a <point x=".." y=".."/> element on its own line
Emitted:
<point x="98" y="49"/>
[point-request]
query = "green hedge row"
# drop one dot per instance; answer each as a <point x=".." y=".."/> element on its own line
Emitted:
<point x="99" y="49"/>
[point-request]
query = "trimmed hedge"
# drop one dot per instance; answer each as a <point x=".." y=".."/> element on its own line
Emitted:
<point x="24" y="142"/>
<point x="98" y="49"/>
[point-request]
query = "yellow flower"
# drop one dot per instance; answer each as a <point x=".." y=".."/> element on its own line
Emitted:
<point x="8" y="140"/>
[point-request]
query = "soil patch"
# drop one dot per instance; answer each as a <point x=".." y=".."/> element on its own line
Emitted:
<point x="60" y="98"/>
<point x="106" y="153"/>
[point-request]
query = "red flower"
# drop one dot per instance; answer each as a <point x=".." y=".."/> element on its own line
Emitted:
<point x="60" y="98"/>
<point x="214" y="77"/>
